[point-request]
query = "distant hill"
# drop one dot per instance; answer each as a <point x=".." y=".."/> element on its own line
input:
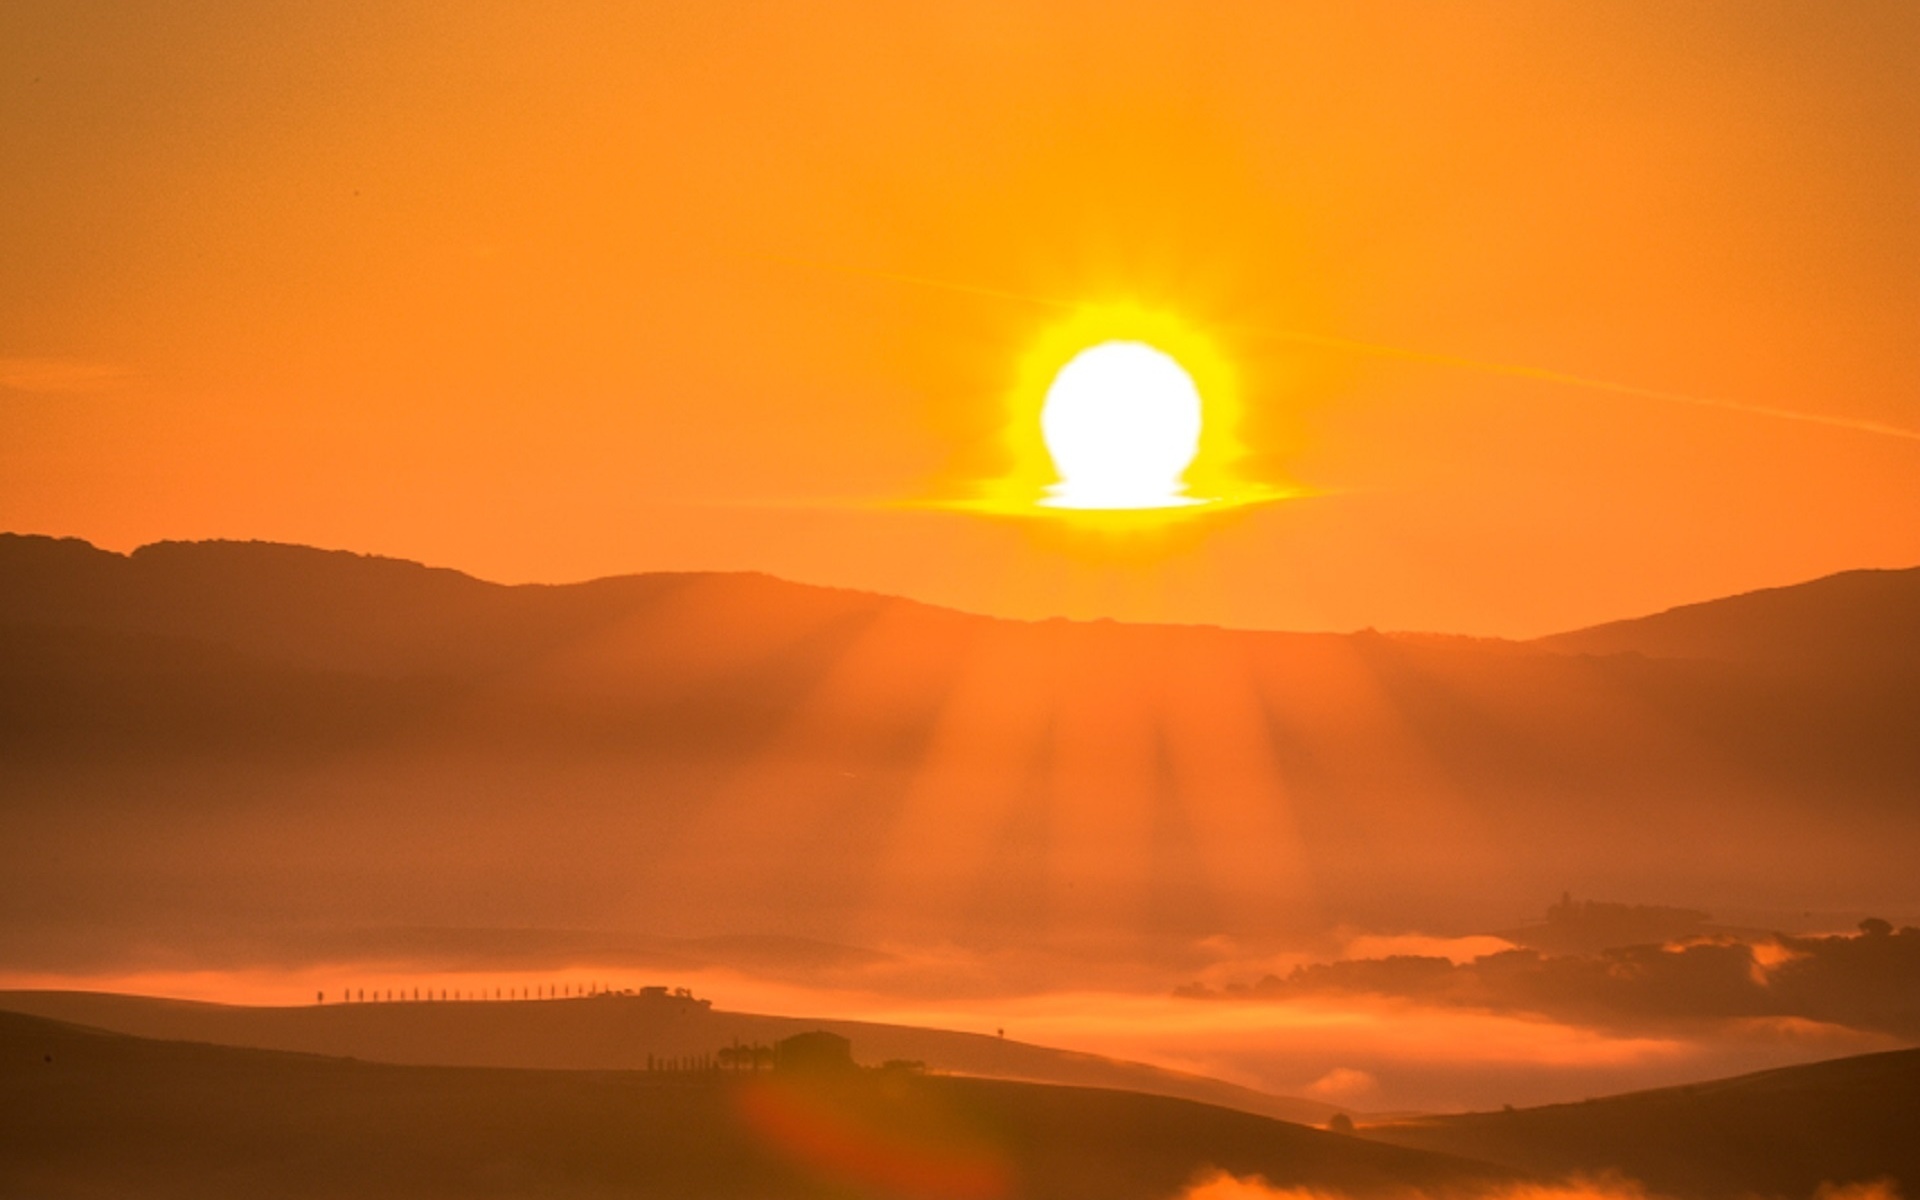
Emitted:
<point x="213" y="750"/>
<point x="1865" y="621"/>
<point x="331" y="610"/>
<point x="1777" y="1133"/>
<point x="612" y="1032"/>
<point x="84" y="1113"/>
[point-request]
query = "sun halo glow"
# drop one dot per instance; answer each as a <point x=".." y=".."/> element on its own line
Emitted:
<point x="1122" y="417"/>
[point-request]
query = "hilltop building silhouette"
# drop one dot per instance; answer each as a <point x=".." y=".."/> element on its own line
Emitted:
<point x="818" y="1052"/>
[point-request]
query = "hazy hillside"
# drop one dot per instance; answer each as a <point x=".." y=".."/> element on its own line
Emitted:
<point x="84" y="1113"/>
<point x="1777" y="1133"/>
<point x="611" y="1033"/>
<point x="213" y="748"/>
<point x="334" y="610"/>
<point x="1867" y="621"/>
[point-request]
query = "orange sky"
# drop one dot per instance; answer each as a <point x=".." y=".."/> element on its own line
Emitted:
<point x="546" y="292"/>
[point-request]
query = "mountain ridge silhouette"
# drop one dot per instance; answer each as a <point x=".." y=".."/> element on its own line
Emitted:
<point x="704" y="754"/>
<point x="71" y="569"/>
<point x="1866" y="619"/>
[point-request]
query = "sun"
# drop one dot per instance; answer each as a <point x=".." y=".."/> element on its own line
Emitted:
<point x="1120" y="417"/>
<point x="1122" y="424"/>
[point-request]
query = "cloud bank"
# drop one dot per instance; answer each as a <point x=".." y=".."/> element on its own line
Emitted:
<point x="1869" y="981"/>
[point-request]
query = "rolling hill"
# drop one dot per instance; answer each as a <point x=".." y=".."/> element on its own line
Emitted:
<point x="613" y="1032"/>
<point x="1863" y="621"/>
<point x="86" y="1113"/>
<point x="1777" y="1133"/>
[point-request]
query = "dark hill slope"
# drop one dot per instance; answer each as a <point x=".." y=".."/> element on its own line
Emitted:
<point x="1858" y="621"/>
<point x="612" y="1032"/>
<point x="339" y="611"/>
<point x="1777" y="1133"/>
<point x="84" y="1113"/>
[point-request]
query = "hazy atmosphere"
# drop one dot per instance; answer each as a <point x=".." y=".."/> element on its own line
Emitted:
<point x="960" y="600"/>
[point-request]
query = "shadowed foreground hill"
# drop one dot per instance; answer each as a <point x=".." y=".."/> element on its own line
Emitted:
<point x="84" y="1113"/>
<point x="206" y="747"/>
<point x="1777" y="1133"/>
<point x="612" y="1032"/>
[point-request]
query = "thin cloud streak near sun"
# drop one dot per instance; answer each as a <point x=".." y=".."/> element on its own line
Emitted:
<point x="1407" y="354"/>
<point x="56" y="376"/>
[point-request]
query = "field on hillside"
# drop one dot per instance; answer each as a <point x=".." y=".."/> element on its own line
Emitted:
<point x="615" y="1032"/>
<point x="84" y="1113"/>
<point x="1775" y="1133"/>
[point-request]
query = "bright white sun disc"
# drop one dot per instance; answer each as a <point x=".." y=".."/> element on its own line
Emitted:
<point x="1122" y="424"/>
